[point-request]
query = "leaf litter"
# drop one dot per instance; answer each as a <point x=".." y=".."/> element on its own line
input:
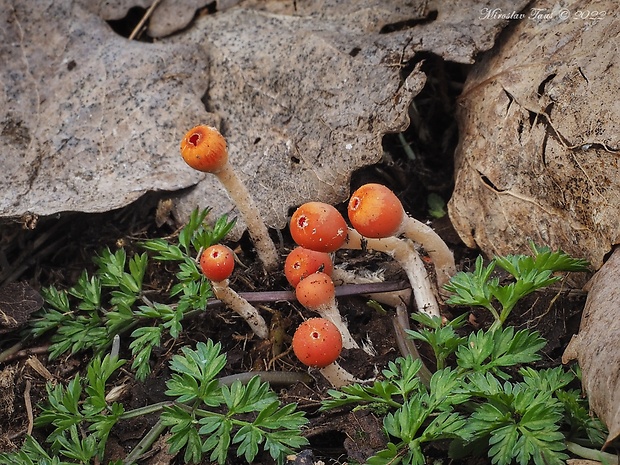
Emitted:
<point x="91" y="121"/>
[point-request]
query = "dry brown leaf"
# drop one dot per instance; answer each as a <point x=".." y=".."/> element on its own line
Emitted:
<point x="90" y="121"/>
<point x="538" y="160"/>
<point x="596" y="346"/>
<point x="305" y="99"/>
<point x="540" y="136"/>
<point x="168" y="17"/>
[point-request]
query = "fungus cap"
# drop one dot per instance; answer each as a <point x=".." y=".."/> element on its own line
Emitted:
<point x="315" y="291"/>
<point x="317" y="342"/>
<point x="301" y="263"/>
<point x="375" y="211"/>
<point x="318" y="226"/>
<point x="204" y="149"/>
<point x="217" y="262"/>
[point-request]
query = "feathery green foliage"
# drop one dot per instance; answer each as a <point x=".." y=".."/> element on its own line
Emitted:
<point x="204" y="416"/>
<point x="113" y="300"/>
<point x="484" y="397"/>
<point x="490" y="401"/>
<point x="529" y="273"/>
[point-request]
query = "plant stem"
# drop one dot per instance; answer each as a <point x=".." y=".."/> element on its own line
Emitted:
<point x="146" y="410"/>
<point x="145" y="443"/>
<point x="504" y="313"/>
<point x="406" y="345"/>
<point x="497" y="324"/>
<point x="5" y="354"/>
<point x="280" y="378"/>
<point x="592" y="454"/>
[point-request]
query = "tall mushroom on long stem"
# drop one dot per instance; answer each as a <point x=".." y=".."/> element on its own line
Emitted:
<point x="217" y="263"/>
<point x="204" y="149"/>
<point x="376" y="212"/>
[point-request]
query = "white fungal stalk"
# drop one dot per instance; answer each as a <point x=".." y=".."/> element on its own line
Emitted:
<point x="338" y="376"/>
<point x="238" y="192"/>
<point x="330" y="312"/>
<point x="433" y="244"/>
<point x="241" y="306"/>
<point x="408" y="258"/>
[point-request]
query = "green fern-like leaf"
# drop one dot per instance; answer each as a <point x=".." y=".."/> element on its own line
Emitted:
<point x="521" y="424"/>
<point x="493" y="350"/>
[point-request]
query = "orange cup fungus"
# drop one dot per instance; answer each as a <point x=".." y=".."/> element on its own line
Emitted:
<point x="302" y="262"/>
<point x="217" y="262"/>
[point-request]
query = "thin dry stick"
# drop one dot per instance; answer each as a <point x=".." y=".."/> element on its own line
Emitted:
<point x="146" y="16"/>
<point x="341" y="291"/>
<point x="34" y="363"/>
<point x="406" y="344"/>
<point x="28" y="403"/>
<point x="14" y="352"/>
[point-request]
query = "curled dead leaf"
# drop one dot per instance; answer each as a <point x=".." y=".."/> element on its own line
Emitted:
<point x="88" y="118"/>
<point x="596" y="346"/>
<point x="540" y="136"/>
<point x="306" y="96"/>
<point x="538" y="161"/>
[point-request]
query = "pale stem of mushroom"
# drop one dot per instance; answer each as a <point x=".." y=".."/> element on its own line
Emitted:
<point x="394" y="298"/>
<point x="238" y="304"/>
<point x="408" y="258"/>
<point x="265" y="247"/>
<point x="437" y="249"/>
<point x="338" y="376"/>
<point x="330" y="312"/>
